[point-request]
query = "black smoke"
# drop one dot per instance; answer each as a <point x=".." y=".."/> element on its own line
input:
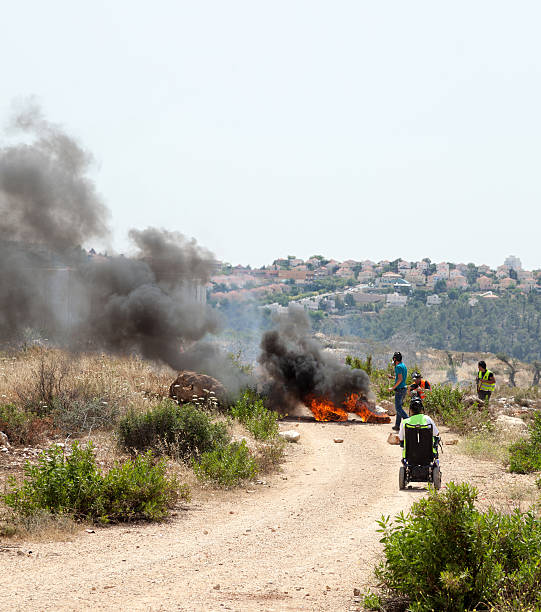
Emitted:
<point x="150" y="303"/>
<point x="296" y="366"/>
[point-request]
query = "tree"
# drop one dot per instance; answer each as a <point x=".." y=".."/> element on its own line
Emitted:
<point x="440" y="286"/>
<point x="349" y="301"/>
<point x="536" y="365"/>
<point x="512" y="368"/>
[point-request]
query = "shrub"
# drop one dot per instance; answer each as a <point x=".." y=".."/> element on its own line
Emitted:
<point x="251" y="412"/>
<point x="525" y="455"/>
<point x="72" y="484"/>
<point x="445" y="555"/>
<point x="83" y="414"/>
<point x="379" y="377"/>
<point x="444" y="403"/>
<point x="178" y="431"/>
<point x="226" y="465"/>
<point x="21" y="427"/>
<point x="270" y="454"/>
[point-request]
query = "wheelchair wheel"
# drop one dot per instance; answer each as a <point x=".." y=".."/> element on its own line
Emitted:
<point x="436" y="477"/>
<point x="402" y="478"/>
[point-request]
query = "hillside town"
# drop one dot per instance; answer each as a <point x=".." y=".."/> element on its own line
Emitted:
<point x="320" y="284"/>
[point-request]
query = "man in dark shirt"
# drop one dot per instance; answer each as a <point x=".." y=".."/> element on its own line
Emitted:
<point x="399" y="388"/>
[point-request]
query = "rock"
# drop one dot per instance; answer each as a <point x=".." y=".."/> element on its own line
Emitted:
<point x="216" y="587"/>
<point x="4" y="440"/>
<point x="339" y="440"/>
<point x="451" y="441"/>
<point x="509" y="422"/>
<point x="189" y="384"/>
<point x="290" y="435"/>
<point x="393" y="439"/>
<point x="356" y="592"/>
<point x="471" y="400"/>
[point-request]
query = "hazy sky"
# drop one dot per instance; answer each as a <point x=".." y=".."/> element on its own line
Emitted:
<point x="352" y="129"/>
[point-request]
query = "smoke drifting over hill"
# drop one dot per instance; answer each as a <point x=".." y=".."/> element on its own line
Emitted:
<point x="145" y="304"/>
<point x="298" y="368"/>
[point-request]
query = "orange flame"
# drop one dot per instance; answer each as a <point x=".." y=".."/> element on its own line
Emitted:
<point x="325" y="410"/>
<point x="355" y="404"/>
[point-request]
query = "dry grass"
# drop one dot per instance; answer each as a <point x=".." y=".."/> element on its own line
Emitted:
<point x="42" y="527"/>
<point x="490" y="445"/>
<point x="123" y="379"/>
<point x="77" y="393"/>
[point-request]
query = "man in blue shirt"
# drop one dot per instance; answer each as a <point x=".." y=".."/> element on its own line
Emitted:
<point x="399" y="388"/>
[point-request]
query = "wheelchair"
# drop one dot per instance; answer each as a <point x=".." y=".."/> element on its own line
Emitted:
<point x="420" y="462"/>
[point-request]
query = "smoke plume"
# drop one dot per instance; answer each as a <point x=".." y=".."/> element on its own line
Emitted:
<point x="298" y="368"/>
<point x="151" y="304"/>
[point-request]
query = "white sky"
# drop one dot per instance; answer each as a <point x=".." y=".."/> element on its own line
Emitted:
<point x="348" y="128"/>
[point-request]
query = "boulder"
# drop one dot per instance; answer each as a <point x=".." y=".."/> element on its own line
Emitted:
<point x="189" y="384"/>
<point x="508" y="422"/>
<point x="290" y="435"/>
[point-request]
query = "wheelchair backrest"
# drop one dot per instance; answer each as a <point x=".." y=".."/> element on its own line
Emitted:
<point x="418" y="444"/>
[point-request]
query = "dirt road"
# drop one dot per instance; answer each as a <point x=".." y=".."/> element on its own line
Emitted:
<point x="301" y="541"/>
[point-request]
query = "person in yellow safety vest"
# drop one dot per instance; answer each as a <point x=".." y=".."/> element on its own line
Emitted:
<point x="485" y="382"/>
<point x="419" y="385"/>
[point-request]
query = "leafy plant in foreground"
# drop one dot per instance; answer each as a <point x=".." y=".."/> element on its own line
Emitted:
<point x="445" y="555"/>
<point x="62" y="483"/>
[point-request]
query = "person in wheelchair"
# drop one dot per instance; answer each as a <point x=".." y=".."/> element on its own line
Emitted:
<point x="419" y="439"/>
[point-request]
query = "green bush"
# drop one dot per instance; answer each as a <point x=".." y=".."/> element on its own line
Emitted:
<point x="444" y="403"/>
<point x="251" y="412"/>
<point x="178" y="431"/>
<point x="445" y="555"/>
<point x="62" y="483"/>
<point x="525" y="455"/>
<point x="226" y="465"/>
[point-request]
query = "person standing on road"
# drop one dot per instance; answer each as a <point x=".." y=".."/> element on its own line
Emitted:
<point x="399" y="388"/>
<point x="485" y="382"/>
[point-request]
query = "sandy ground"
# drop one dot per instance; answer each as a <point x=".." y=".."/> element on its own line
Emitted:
<point x="301" y="541"/>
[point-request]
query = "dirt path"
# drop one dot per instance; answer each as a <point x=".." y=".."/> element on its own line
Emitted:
<point x="301" y="541"/>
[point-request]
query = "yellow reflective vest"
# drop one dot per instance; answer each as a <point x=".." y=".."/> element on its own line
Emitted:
<point x="483" y="382"/>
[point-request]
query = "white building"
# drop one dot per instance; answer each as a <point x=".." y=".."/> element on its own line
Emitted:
<point x="395" y="299"/>
<point x="513" y="262"/>
<point x="433" y="300"/>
